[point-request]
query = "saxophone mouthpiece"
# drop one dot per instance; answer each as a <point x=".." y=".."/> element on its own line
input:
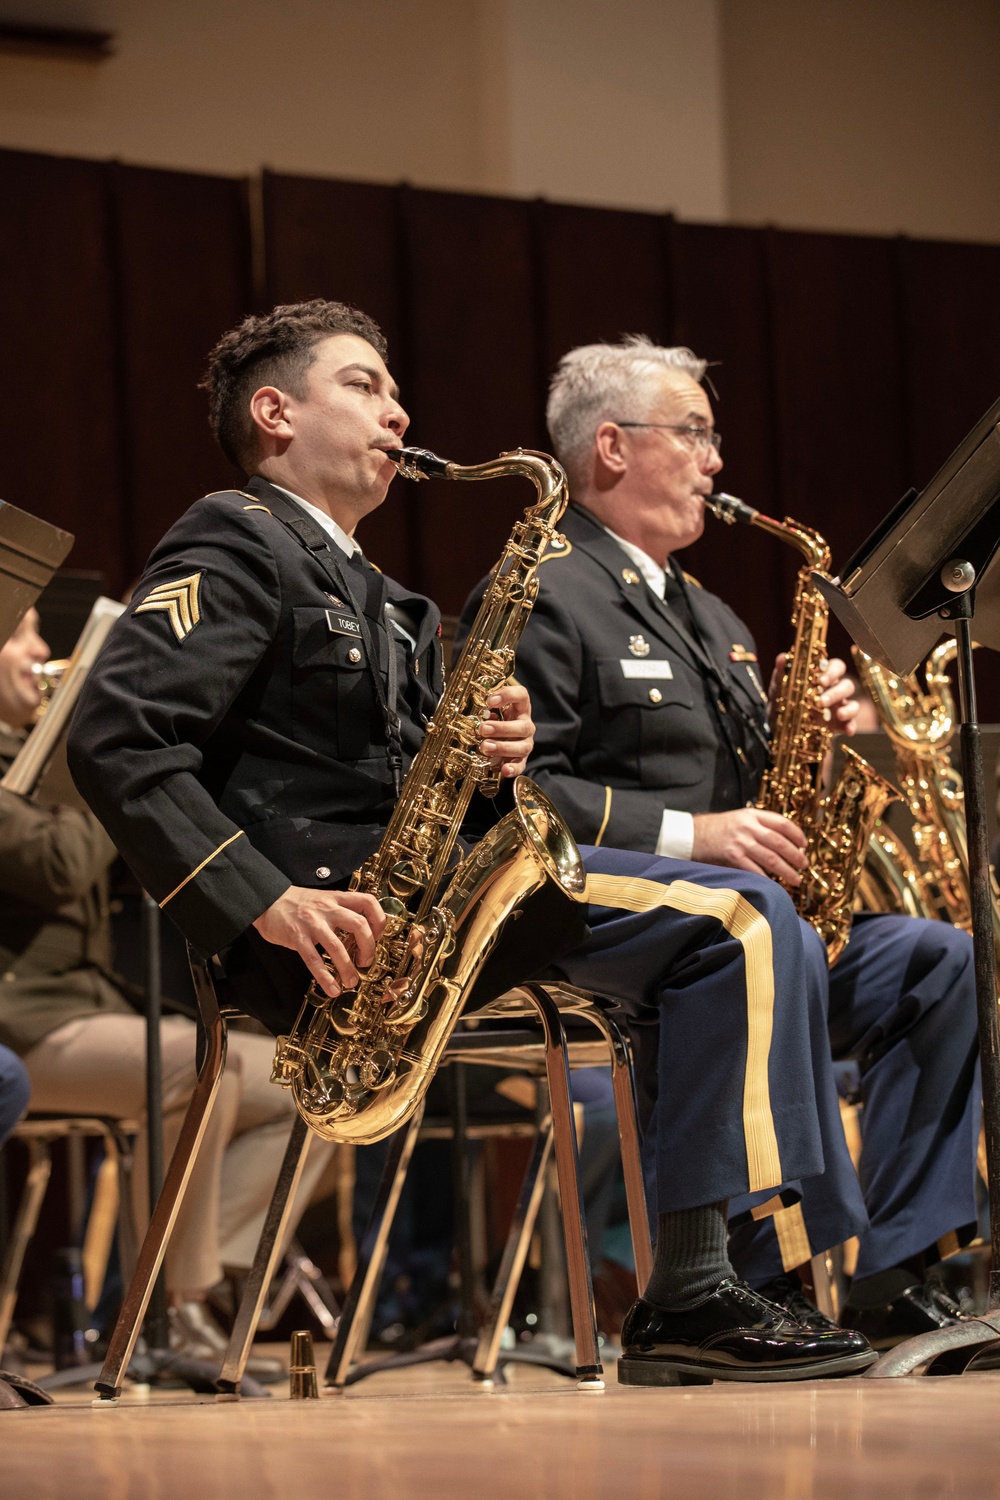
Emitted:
<point x="418" y="463"/>
<point x="727" y="508"/>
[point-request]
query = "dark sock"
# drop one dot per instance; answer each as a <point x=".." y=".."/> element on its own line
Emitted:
<point x="691" y="1257"/>
<point x="882" y="1288"/>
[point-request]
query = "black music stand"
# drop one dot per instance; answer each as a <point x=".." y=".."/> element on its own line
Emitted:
<point x="933" y="564"/>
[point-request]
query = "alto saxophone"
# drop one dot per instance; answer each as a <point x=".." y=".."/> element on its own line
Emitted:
<point x="359" y="1065"/>
<point x="920" y="722"/>
<point x="839" y="824"/>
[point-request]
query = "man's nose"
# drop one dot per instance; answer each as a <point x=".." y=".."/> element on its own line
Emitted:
<point x="712" y="462"/>
<point x="397" y="420"/>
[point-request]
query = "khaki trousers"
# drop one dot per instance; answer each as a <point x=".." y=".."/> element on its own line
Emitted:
<point x="96" y="1065"/>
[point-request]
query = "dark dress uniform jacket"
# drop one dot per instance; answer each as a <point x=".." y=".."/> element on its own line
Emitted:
<point x="230" y="737"/>
<point x="628" y="721"/>
<point x="54" y="932"/>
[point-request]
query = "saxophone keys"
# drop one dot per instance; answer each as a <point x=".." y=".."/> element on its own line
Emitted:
<point x="407" y="1009"/>
<point x="405" y="878"/>
<point x="327" y="1091"/>
<point x="342" y="1020"/>
<point x="378" y="1069"/>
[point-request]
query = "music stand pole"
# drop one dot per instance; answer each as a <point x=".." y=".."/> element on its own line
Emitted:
<point x="953" y="1349"/>
<point x="982" y="925"/>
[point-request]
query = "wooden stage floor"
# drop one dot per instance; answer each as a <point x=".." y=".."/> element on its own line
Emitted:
<point x="428" y="1433"/>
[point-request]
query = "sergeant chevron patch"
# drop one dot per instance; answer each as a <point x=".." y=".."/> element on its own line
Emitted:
<point x="177" y="600"/>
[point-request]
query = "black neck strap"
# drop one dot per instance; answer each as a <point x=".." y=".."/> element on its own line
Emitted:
<point x="736" y="714"/>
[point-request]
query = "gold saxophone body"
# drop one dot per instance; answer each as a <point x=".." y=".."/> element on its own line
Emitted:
<point x="920" y="721"/>
<point x="359" y="1065"/>
<point x="838" y="824"/>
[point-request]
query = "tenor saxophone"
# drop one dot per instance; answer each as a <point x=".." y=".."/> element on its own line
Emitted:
<point x="359" y="1065"/>
<point x="837" y="824"/>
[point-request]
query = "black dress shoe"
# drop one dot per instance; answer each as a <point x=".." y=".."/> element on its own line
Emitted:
<point x="786" y="1292"/>
<point x="732" y="1333"/>
<point x="920" y="1309"/>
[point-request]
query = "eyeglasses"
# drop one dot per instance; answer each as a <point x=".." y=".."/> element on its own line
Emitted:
<point x="697" y="437"/>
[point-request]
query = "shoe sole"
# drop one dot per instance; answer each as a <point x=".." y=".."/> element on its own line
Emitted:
<point x="635" y="1370"/>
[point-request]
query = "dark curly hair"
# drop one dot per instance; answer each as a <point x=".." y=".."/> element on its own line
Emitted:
<point x="275" y="348"/>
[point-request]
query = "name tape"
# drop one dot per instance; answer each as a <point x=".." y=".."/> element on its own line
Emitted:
<point x="645" y="669"/>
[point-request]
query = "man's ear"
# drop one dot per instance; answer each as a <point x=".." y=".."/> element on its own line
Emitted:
<point x="269" y="410"/>
<point x="609" y="451"/>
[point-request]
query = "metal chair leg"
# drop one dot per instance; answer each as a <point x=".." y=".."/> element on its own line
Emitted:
<point x="356" y="1318"/>
<point x="627" y="1113"/>
<point x="581" y="1293"/>
<point x="168" y="1205"/>
<point x="304" y="1278"/>
<point x="265" y="1259"/>
<point x="514" y="1255"/>
<point x="30" y="1206"/>
<point x="128" y="1237"/>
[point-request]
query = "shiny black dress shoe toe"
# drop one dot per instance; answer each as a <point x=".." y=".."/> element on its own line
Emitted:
<point x="920" y="1309"/>
<point x="732" y="1333"/>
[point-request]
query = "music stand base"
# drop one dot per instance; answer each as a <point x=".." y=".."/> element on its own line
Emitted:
<point x="157" y="1365"/>
<point x="907" y="1357"/>
<point x="454" y="1349"/>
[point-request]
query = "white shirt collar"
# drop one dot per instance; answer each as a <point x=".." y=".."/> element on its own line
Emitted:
<point x="346" y="543"/>
<point x="651" y="571"/>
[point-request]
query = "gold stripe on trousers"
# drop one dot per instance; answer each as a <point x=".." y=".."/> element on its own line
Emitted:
<point x="751" y="930"/>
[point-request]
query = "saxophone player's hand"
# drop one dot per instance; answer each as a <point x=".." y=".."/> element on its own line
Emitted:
<point x="837" y="701"/>
<point x="309" y="921"/>
<point x="508" y="733"/>
<point x="751" y="839"/>
<point x="838" y="698"/>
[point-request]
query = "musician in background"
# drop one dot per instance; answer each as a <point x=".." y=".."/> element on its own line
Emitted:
<point x="652" y="734"/>
<point x="83" y="1046"/>
<point x="15" y="1091"/>
<point x="241" y="735"/>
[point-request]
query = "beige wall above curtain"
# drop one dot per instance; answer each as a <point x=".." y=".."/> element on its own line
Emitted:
<point x="878" y="116"/>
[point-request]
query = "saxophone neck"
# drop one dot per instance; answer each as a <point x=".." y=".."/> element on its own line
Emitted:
<point x="812" y="546"/>
<point x="547" y="475"/>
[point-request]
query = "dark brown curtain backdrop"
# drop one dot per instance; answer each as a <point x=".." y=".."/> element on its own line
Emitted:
<point x="846" y="368"/>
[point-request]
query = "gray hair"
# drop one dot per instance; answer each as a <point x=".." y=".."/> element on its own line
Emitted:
<point x="603" y="382"/>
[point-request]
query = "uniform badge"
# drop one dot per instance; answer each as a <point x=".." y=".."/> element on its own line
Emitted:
<point x="630" y="575"/>
<point x="337" y="603"/>
<point x="638" y="645"/>
<point x="179" y="601"/>
<point x="740" y="653"/>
